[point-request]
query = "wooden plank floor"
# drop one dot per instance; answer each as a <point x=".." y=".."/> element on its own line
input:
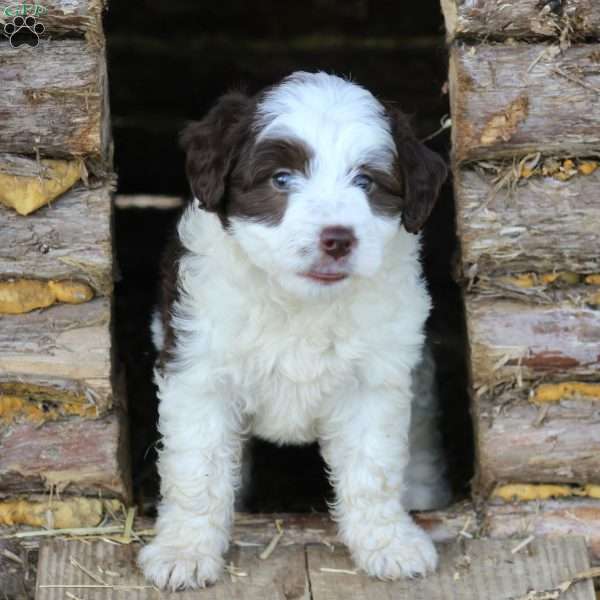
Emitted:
<point x="473" y="570"/>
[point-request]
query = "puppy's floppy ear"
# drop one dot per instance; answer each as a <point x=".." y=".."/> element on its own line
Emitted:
<point x="423" y="172"/>
<point x="212" y="145"/>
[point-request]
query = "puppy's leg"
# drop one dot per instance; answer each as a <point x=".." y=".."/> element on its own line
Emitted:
<point x="365" y="444"/>
<point x="199" y="469"/>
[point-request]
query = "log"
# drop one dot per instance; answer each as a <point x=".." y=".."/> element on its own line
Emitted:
<point x="63" y="17"/>
<point x="64" y="342"/>
<point x="53" y="100"/>
<point x="519" y="18"/>
<point x="78" y="456"/>
<point x="513" y="341"/>
<point x="523" y="443"/>
<point x="541" y="224"/>
<point x="523" y="98"/>
<point x="70" y="240"/>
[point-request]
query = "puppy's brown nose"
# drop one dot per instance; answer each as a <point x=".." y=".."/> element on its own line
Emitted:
<point x="337" y="241"/>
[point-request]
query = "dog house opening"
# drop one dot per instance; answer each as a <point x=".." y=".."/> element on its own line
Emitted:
<point x="163" y="76"/>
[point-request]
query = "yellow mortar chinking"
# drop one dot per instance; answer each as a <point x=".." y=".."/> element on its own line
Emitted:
<point x="529" y="280"/>
<point x="548" y="393"/>
<point x="56" y="514"/>
<point x="593" y="279"/>
<point x="18" y="296"/>
<point x="26" y="194"/>
<point x="593" y="300"/>
<point x="526" y="492"/>
<point x="12" y="408"/>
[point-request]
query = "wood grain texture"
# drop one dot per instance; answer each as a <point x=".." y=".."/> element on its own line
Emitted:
<point x="70" y="239"/>
<point x="541" y="225"/>
<point x="64" y="347"/>
<point x="281" y="577"/>
<point x="479" y="570"/>
<point x="66" y="17"/>
<point x="519" y="18"/>
<point x="442" y="526"/>
<point x="518" y="443"/>
<point x="504" y="103"/>
<point x="53" y="99"/>
<point x="555" y="518"/>
<point x="490" y="571"/>
<point x="512" y="340"/>
<point x="78" y="456"/>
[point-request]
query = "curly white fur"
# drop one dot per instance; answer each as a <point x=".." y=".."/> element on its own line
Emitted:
<point x="263" y="351"/>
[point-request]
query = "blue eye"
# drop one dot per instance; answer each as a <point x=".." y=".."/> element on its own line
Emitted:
<point x="363" y="181"/>
<point x="282" y="180"/>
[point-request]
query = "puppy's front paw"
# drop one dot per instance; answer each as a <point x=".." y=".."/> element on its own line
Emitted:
<point x="401" y="550"/>
<point x="176" y="568"/>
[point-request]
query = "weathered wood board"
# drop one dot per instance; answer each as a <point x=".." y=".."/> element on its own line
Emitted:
<point x="512" y="340"/>
<point x="522" y="98"/>
<point x="70" y="239"/>
<point x="542" y="224"/>
<point x="518" y="441"/>
<point x="519" y="18"/>
<point x="53" y="99"/>
<point x="79" y="456"/>
<point x="63" y="347"/>
<point x="478" y="570"/>
<point x="577" y="517"/>
<point x="282" y="577"/>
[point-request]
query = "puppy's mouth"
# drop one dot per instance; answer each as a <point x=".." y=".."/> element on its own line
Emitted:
<point x="325" y="278"/>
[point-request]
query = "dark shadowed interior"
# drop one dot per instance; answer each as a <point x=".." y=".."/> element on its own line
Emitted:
<point x="168" y="62"/>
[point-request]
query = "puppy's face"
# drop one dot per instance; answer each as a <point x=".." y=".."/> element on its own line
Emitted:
<point x="312" y="178"/>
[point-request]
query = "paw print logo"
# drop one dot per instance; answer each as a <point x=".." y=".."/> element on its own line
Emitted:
<point x="23" y="31"/>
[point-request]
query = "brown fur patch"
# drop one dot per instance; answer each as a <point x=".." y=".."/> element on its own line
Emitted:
<point x="387" y="194"/>
<point x="252" y="194"/>
<point x="423" y="172"/>
<point x="169" y="294"/>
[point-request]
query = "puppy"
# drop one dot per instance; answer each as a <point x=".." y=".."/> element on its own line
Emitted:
<point x="293" y="309"/>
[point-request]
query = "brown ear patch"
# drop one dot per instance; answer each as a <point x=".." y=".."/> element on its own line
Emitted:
<point x="423" y="172"/>
<point x="212" y="146"/>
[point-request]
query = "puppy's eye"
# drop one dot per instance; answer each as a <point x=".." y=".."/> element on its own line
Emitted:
<point x="364" y="182"/>
<point x="282" y="180"/>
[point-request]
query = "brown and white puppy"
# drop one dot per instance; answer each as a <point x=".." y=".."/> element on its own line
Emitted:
<point x="294" y="311"/>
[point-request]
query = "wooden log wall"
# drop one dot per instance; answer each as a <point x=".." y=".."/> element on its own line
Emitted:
<point x="524" y="84"/>
<point x="62" y="410"/>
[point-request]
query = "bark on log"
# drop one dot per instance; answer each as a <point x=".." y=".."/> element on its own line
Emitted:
<point x="541" y="225"/>
<point x="64" y="342"/>
<point x="508" y="100"/>
<point x="53" y="99"/>
<point x="71" y="239"/>
<point x="519" y="18"/>
<point x="64" y="17"/>
<point x="80" y="456"/>
<point x="510" y="341"/>
<point x="523" y="443"/>
<point x="552" y="518"/>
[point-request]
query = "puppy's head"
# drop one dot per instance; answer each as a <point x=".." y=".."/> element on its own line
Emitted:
<point x="312" y="178"/>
